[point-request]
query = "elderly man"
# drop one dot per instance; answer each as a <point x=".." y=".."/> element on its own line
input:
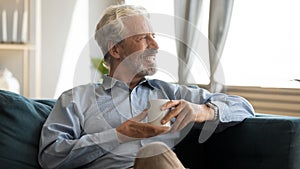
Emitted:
<point x="104" y="125"/>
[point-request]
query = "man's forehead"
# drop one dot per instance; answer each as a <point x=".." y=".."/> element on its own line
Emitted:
<point x="136" y="25"/>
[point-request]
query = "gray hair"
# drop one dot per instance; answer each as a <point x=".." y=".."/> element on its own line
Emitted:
<point x="111" y="28"/>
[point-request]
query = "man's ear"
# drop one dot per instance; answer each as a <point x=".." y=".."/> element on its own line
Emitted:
<point x="113" y="50"/>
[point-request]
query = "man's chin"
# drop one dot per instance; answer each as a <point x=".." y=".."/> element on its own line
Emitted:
<point x="151" y="71"/>
<point x="148" y="72"/>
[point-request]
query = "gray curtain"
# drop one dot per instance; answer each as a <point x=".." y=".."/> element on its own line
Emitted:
<point x="187" y="14"/>
<point x="219" y="20"/>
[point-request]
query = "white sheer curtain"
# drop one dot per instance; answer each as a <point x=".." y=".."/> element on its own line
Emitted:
<point x="77" y="38"/>
<point x="76" y="68"/>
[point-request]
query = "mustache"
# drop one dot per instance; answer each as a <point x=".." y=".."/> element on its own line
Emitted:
<point x="150" y="52"/>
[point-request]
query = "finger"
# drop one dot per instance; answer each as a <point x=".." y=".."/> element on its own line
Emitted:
<point x="146" y="130"/>
<point x="140" y="116"/>
<point x="184" y="122"/>
<point x="171" y="114"/>
<point x="170" y="104"/>
<point x="178" y="122"/>
<point x="159" y="130"/>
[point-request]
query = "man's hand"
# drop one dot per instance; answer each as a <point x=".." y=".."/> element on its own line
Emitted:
<point x="186" y="112"/>
<point x="133" y="129"/>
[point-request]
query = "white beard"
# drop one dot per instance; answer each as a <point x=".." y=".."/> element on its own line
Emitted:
<point x="140" y="64"/>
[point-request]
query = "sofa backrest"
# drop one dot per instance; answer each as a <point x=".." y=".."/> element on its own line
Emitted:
<point x="21" y="120"/>
<point x="262" y="142"/>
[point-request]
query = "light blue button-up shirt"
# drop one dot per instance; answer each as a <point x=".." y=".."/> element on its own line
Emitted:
<point x="80" y="132"/>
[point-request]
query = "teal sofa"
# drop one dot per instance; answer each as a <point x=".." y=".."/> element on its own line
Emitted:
<point x="262" y="142"/>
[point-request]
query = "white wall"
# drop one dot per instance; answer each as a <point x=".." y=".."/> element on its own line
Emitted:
<point x="56" y="25"/>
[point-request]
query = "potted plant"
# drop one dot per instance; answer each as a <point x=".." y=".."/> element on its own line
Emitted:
<point x="99" y="65"/>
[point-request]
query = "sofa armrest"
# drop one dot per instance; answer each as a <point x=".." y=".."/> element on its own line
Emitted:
<point x="264" y="141"/>
<point x="21" y="120"/>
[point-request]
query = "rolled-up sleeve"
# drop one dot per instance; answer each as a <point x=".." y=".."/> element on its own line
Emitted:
<point x="231" y="108"/>
<point x="64" y="144"/>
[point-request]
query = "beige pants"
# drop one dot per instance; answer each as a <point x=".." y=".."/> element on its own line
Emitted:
<point x="157" y="155"/>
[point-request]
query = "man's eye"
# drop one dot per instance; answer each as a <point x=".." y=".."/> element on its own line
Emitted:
<point x="139" y="38"/>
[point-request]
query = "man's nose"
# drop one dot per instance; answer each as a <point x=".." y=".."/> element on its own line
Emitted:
<point x="152" y="43"/>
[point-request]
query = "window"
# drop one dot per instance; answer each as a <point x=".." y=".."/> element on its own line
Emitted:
<point x="262" y="47"/>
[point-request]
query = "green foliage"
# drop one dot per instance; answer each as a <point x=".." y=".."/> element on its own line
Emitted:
<point x="98" y="63"/>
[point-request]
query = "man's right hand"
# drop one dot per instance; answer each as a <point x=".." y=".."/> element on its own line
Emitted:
<point x="134" y="129"/>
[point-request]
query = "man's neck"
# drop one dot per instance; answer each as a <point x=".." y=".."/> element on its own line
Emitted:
<point x="131" y="81"/>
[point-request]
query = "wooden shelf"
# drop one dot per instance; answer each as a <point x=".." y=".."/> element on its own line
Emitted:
<point x="23" y="59"/>
<point x="6" y="46"/>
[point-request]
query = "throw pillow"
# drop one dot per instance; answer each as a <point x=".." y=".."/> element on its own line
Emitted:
<point x="21" y="120"/>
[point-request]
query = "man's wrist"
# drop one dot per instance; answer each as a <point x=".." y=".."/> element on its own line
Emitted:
<point x="215" y="110"/>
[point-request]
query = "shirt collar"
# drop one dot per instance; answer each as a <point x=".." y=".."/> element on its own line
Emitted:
<point x="110" y="82"/>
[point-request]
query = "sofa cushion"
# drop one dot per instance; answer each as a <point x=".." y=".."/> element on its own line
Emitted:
<point x="21" y="120"/>
<point x="264" y="141"/>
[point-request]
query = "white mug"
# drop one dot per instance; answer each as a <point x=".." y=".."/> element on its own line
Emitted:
<point x="155" y="114"/>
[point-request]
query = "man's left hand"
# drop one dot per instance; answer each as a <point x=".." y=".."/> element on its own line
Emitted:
<point x="186" y="112"/>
